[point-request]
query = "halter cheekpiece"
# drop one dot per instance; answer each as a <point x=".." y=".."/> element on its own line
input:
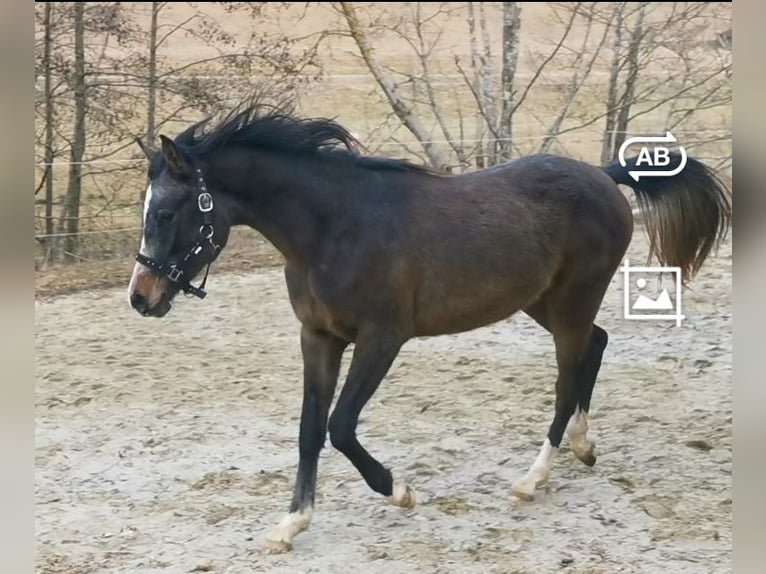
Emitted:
<point x="176" y="270"/>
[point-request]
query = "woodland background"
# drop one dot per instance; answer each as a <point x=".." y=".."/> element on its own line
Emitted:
<point x="459" y="85"/>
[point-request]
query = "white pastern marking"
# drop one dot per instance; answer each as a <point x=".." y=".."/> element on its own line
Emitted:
<point x="538" y="473"/>
<point x="544" y="461"/>
<point x="577" y="425"/>
<point x="577" y="430"/>
<point x="291" y="525"/>
<point x="402" y="495"/>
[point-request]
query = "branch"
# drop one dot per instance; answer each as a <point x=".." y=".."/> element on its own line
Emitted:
<point x="203" y="61"/>
<point x="577" y="80"/>
<point x="45" y="176"/>
<point x="545" y="62"/>
<point x="435" y="107"/>
<point x="404" y="112"/>
<point x="175" y="29"/>
<point x="479" y="104"/>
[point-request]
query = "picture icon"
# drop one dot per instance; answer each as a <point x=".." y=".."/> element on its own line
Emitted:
<point x="644" y="302"/>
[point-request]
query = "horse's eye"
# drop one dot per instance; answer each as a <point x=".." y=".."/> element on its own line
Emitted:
<point x="165" y="216"/>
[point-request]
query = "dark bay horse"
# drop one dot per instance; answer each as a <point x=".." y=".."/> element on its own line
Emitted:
<point x="379" y="251"/>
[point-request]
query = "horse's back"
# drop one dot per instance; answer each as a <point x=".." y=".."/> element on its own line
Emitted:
<point x="490" y="242"/>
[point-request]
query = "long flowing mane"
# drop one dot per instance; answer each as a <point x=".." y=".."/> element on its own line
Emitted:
<point x="256" y="125"/>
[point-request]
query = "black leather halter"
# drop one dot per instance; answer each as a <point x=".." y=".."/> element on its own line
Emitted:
<point x="176" y="270"/>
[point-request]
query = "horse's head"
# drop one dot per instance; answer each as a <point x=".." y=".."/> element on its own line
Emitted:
<point x="182" y="231"/>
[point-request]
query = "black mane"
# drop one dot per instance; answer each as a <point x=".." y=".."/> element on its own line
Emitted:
<point x="256" y="125"/>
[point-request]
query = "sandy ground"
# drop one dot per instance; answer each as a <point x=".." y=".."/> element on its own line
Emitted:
<point x="170" y="446"/>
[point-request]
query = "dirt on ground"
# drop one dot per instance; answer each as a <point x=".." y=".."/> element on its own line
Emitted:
<point x="171" y="445"/>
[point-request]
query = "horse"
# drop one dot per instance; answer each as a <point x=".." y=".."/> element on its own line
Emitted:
<point x="379" y="251"/>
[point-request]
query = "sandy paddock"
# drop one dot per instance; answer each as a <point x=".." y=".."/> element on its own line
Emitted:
<point x="170" y="446"/>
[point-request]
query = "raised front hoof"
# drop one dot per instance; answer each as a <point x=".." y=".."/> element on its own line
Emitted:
<point x="586" y="455"/>
<point x="524" y="488"/>
<point x="402" y="496"/>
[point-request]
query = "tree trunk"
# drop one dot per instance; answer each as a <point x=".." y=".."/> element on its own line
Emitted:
<point x="49" y="119"/>
<point x="607" y="147"/>
<point x="151" y="109"/>
<point x="71" y="212"/>
<point x="628" y="96"/>
<point x="488" y="92"/>
<point x="400" y="107"/>
<point x="511" y="24"/>
<point x="476" y="79"/>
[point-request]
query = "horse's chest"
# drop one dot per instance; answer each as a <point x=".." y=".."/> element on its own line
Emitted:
<point x="313" y="306"/>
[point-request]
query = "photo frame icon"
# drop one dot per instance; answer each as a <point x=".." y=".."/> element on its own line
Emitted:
<point x="663" y="302"/>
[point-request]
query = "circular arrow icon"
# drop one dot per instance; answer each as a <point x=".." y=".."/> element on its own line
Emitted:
<point x="652" y="159"/>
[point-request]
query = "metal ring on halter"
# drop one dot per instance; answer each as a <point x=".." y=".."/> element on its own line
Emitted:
<point x="210" y="233"/>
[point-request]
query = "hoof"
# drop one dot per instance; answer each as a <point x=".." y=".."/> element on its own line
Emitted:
<point x="280" y="539"/>
<point x="275" y="546"/>
<point x="402" y="496"/>
<point x="524" y="488"/>
<point x="586" y="455"/>
<point x="588" y="459"/>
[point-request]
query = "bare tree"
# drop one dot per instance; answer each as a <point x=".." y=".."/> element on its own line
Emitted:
<point x="476" y="75"/>
<point x="627" y="99"/>
<point x="401" y="108"/>
<point x="692" y="79"/>
<point x="47" y="176"/>
<point x="511" y="27"/>
<point x="610" y="121"/>
<point x="151" y="107"/>
<point x="495" y="95"/>
<point x="583" y="61"/>
<point x="71" y="210"/>
<point x="464" y="100"/>
<point x="562" y="74"/>
<point x="97" y="87"/>
<point x="67" y="53"/>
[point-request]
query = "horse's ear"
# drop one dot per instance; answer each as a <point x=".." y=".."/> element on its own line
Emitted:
<point x="175" y="160"/>
<point x="149" y="152"/>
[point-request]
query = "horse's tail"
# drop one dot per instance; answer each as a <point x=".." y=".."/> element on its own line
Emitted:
<point x="686" y="214"/>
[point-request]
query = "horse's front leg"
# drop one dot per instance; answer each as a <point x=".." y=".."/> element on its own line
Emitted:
<point x="322" y="355"/>
<point x="374" y="352"/>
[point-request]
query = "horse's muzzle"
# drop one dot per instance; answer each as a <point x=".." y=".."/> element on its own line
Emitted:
<point x="141" y="305"/>
<point x="148" y="293"/>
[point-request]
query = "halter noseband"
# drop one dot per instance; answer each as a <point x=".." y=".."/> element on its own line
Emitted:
<point x="176" y="270"/>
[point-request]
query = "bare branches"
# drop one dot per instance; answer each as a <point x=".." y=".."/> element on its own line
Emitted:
<point x="461" y="85"/>
<point x="548" y="59"/>
<point x="405" y="113"/>
<point x="581" y="69"/>
<point x="119" y="63"/>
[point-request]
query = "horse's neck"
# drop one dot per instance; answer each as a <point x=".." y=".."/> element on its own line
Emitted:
<point x="284" y="208"/>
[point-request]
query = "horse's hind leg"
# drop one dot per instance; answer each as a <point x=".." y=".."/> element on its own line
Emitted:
<point x="568" y="314"/>
<point x="577" y="428"/>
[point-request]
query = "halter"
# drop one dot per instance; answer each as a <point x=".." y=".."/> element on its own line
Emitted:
<point x="176" y="270"/>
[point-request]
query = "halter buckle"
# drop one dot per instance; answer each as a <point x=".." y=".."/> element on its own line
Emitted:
<point x="174" y="273"/>
<point x="205" y="202"/>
